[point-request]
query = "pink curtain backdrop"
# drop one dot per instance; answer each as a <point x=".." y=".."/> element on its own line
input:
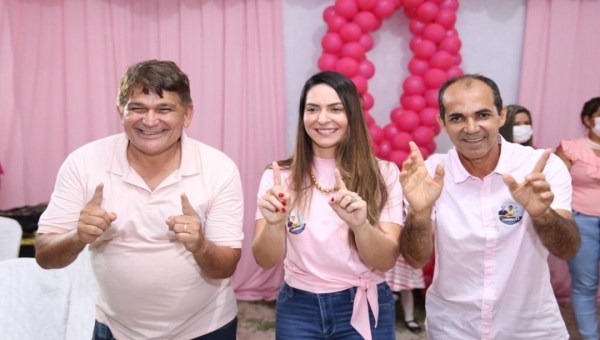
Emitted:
<point x="560" y="71"/>
<point x="60" y="62"/>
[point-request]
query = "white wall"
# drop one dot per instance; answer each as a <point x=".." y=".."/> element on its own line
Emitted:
<point x="491" y="33"/>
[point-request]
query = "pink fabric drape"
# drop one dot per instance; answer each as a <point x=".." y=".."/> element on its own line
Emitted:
<point x="560" y="71"/>
<point x="60" y="62"/>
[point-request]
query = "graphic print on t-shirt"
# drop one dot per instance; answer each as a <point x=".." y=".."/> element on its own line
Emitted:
<point x="295" y="223"/>
<point x="510" y="213"/>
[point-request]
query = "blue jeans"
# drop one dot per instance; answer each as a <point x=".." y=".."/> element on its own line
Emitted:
<point x="584" y="275"/>
<point x="304" y="315"/>
<point x="227" y="332"/>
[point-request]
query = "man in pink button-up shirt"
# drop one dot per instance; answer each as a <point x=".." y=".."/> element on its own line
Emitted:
<point x="491" y="279"/>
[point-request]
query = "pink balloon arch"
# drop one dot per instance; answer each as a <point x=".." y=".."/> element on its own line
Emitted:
<point x="435" y="45"/>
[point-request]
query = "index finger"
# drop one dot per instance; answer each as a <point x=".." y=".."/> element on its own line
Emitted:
<point x="98" y="193"/>
<point x="339" y="182"/>
<point x="186" y="207"/>
<point x="415" y="153"/>
<point x="276" y="174"/>
<point x="541" y="163"/>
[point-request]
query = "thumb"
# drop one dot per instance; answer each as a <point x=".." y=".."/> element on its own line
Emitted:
<point x="440" y="172"/>
<point x="186" y="207"/>
<point x="510" y="182"/>
<point x="98" y="193"/>
<point x="112" y="216"/>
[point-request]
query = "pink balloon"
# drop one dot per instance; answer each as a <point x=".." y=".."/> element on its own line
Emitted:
<point x="411" y="12"/>
<point x="441" y="59"/>
<point x="414" y="103"/>
<point x="350" y="32"/>
<point x="400" y="141"/>
<point x="437" y="2"/>
<point x="379" y="22"/>
<point x="357" y="51"/>
<point x="423" y="135"/>
<point x="327" y="62"/>
<point x="434" y="78"/>
<point x="366" y="41"/>
<point x="328" y="13"/>
<point x="436" y="129"/>
<point x="397" y="3"/>
<point x="425" y="49"/>
<point x="414" y="42"/>
<point x="385" y="147"/>
<point x="418" y="66"/>
<point x="446" y="17"/>
<point x="376" y="150"/>
<point x="390" y="131"/>
<point x="366" y="5"/>
<point x="456" y="59"/>
<point x="416" y="26"/>
<point x="407" y="121"/>
<point x="452" y="32"/>
<point x="366" y="68"/>
<point x="368" y="119"/>
<point x="398" y="157"/>
<point x="332" y="42"/>
<point x="395" y="114"/>
<point x="367" y="21"/>
<point x="450" y="44"/>
<point x="347" y="66"/>
<point x="412" y="3"/>
<point x="431" y="147"/>
<point x="427" y="11"/>
<point x="451" y="4"/>
<point x="434" y="32"/>
<point x="384" y="9"/>
<point x="454" y="71"/>
<point x="346" y="8"/>
<point x="428" y="116"/>
<point x="431" y="98"/>
<point x="335" y="23"/>
<point x="368" y="101"/>
<point x="413" y="85"/>
<point x="361" y="83"/>
<point x="376" y="133"/>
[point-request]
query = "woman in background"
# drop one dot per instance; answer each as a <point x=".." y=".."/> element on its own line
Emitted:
<point x="403" y="279"/>
<point x="517" y="128"/>
<point x="333" y="210"/>
<point x="582" y="157"/>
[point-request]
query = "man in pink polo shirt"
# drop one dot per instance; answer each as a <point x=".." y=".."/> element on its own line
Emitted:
<point x="491" y="278"/>
<point x="161" y="213"/>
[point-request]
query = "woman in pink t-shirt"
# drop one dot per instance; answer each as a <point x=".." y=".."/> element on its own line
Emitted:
<point x="582" y="157"/>
<point x="333" y="210"/>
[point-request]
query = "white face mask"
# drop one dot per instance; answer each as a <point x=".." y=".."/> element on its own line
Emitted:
<point x="522" y="133"/>
<point x="596" y="128"/>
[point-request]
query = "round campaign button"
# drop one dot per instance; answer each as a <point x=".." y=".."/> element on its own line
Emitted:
<point x="295" y="223"/>
<point x="510" y="213"/>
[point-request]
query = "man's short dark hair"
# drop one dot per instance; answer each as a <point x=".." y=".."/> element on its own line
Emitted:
<point x="467" y="77"/>
<point x="154" y="76"/>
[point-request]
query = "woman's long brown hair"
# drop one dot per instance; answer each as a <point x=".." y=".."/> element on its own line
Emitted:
<point x="353" y="155"/>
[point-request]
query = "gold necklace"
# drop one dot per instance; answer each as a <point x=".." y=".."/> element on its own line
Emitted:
<point x="314" y="179"/>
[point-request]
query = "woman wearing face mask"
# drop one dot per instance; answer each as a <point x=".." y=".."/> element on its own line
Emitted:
<point x="517" y="128"/>
<point x="582" y="157"/>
